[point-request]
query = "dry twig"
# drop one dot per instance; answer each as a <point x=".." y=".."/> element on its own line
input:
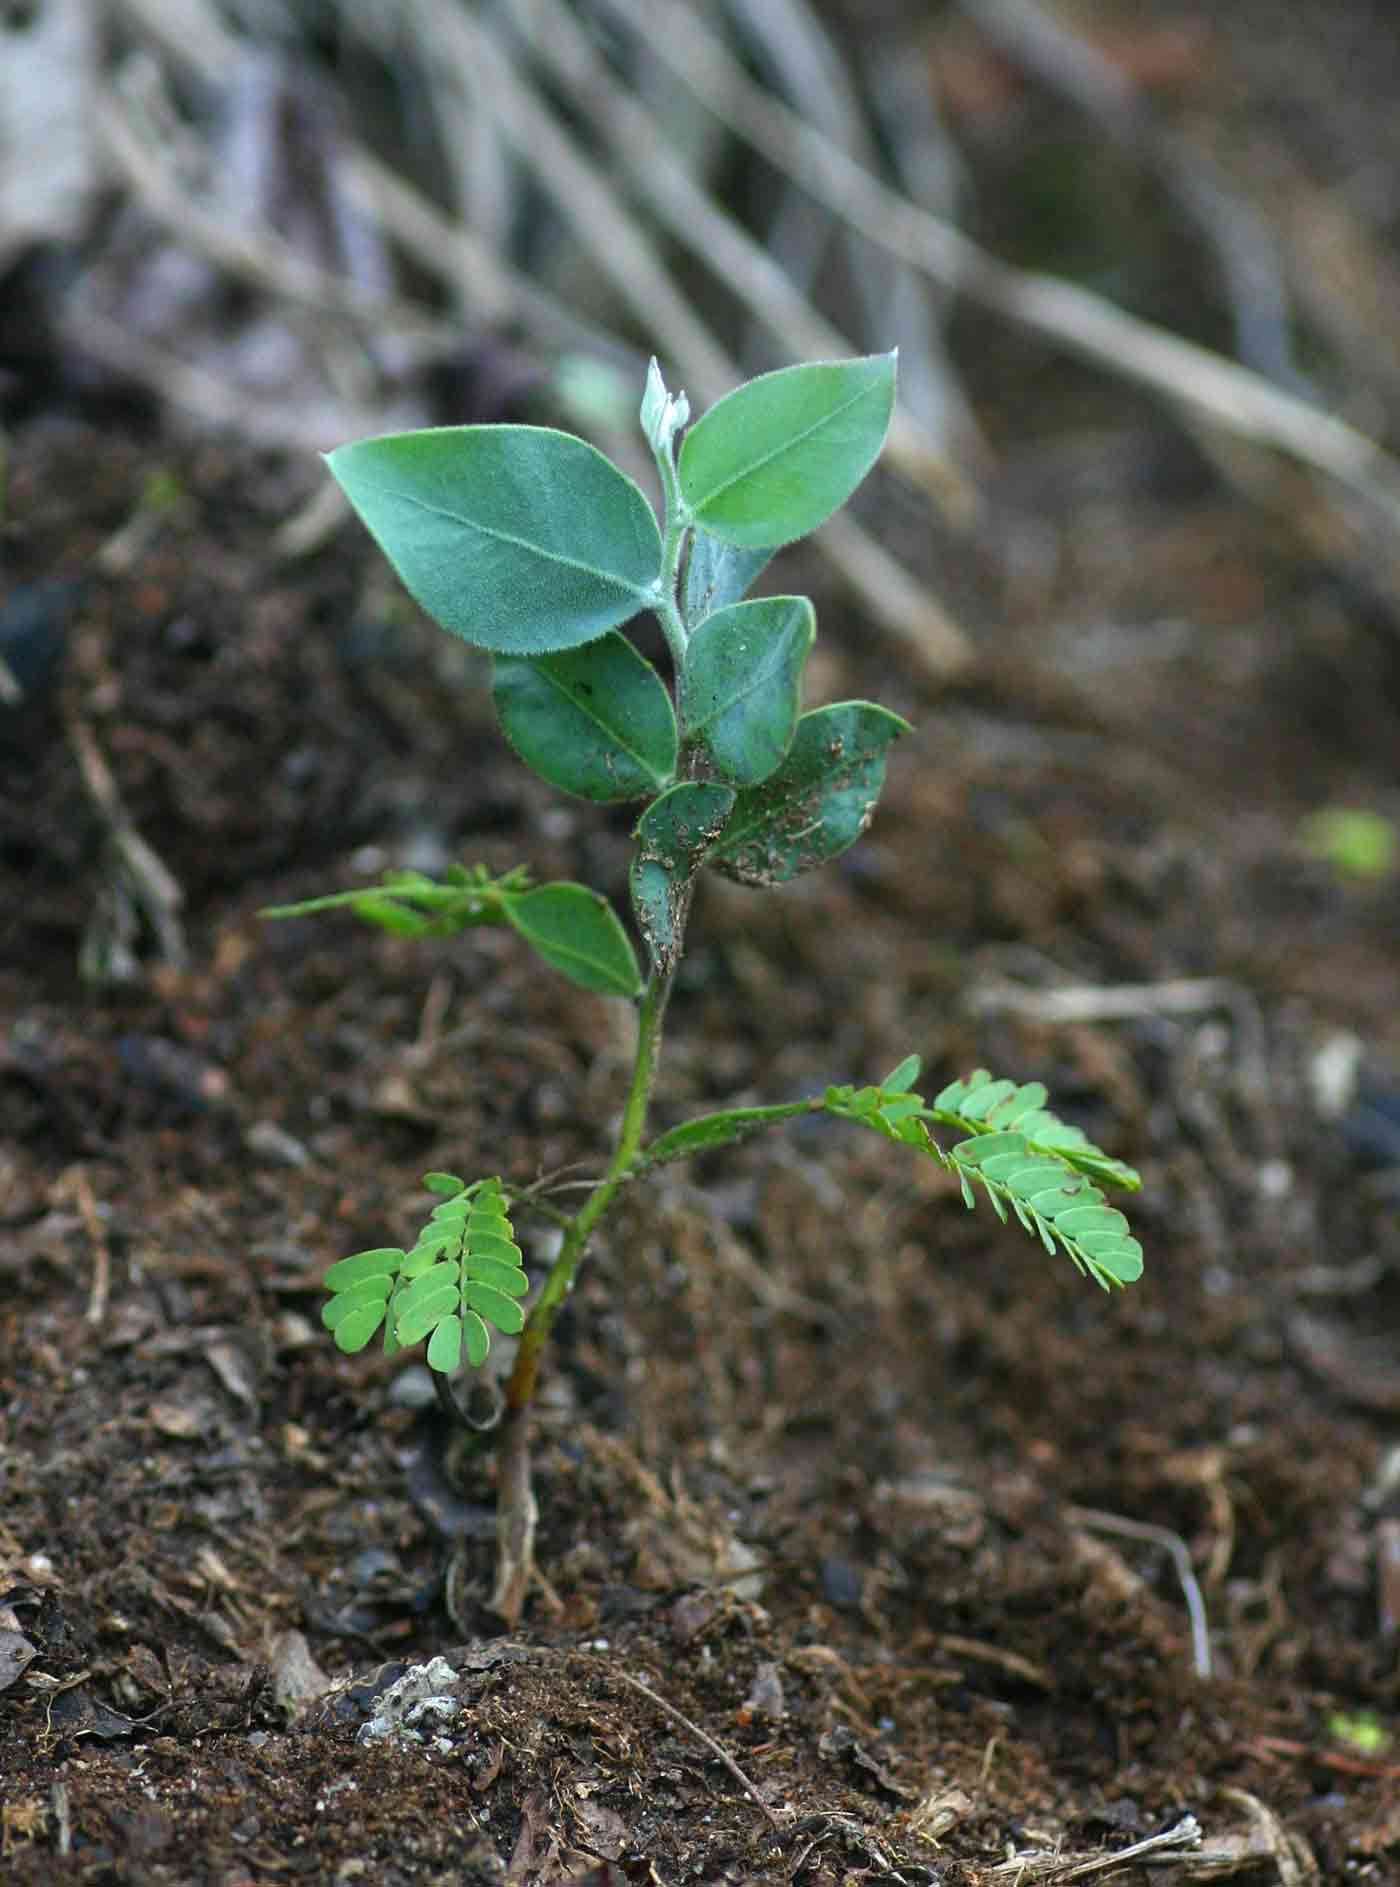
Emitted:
<point x="702" y="1736"/>
<point x="1218" y="390"/>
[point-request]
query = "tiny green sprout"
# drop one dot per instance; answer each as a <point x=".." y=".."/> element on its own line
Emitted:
<point x="530" y="544"/>
<point x="1360" y="1730"/>
<point x="1355" y="841"/>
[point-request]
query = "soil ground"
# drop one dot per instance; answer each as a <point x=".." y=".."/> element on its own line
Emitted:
<point x="824" y="1457"/>
<point x="870" y="1535"/>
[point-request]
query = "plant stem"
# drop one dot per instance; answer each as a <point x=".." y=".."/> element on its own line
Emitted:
<point x="516" y="1511"/>
<point x="520" y="1388"/>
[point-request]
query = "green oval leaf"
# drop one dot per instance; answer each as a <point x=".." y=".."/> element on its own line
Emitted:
<point x="595" y="721"/>
<point x="495" y="1306"/>
<point x="673" y="836"/>
<point x="717" y="574"/>
<point x="577" y="933"/>
<point x="476" y="1338"/>
<point x="352" y="1333"/>
<point x="499" y="1275"/>
<point x="519" y="539"/>
<point x="742" y="682"/>
<point x="446" y="1184"/>
<point x="495" y="1246"/>
<point x="413" y="1323"/>
<point x="381" y="1263"/>
<point x="901" y="1079"/>
<point x="772" y="460"/>
<point x="445" y="1346"/>
<point x="817" y="803"/>
<point x="358" y="1297"/>
<point x="438" y="1278"/>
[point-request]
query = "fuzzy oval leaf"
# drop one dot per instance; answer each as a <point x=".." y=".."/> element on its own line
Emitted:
<point x="741" y="685"/>
<point x="519" y="539"/>
<point x="382" y="1263"/>
<point x="596" y="721"/>
<point x="717" y="574"/>
<point x="673" y="836"/>
<point x="818" y="802"/>
<point x="495" y="1306"/>
<point x="577" y="933"/>
<point x="352" y="1333"/>
<point x="446" y="1184"/>
<point x="772" y="460"/>
<point x="445" y="1346"/>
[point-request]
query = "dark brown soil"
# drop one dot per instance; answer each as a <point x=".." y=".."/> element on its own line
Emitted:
<point x="875" y="1545"/>
<point x="854" y="1481"/>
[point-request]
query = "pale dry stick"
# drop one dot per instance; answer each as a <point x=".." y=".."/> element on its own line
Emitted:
<point x="801" y="62"/>
<point x="702" y="1736"/>
<point x="101" y="1250"/>
<point x="1245" y="253"/>
<point x="1228" y="395"/>
<point x="192" y="33"/>
<point x="156" y="889"/>
<point x="1173" y="1545"/>
<point x="716" y="238"/>
<point x="627" y="256"/>
<point x="253" y="253"/>
<point x="1111" y="1002"/>
<point x="1185" y="1833"/>
<point x="492" y="290"/>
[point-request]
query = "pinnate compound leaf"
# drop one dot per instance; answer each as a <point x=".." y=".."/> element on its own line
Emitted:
<point x="741" y="685"/>
<point x="577" y="932"/>
<point x="1050" y="1188"/>
<point x="673" y="835"/>
<point x="818" y="802"/>
<point x="519" y="539"/>
<point x="596" y="721"/>
<point x="717" y="574"/>
<point x="464" y="1267"/>
<point x="772" y="460"/>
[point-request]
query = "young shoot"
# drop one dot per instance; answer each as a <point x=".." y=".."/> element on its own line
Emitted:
<point x="530" y="544"/>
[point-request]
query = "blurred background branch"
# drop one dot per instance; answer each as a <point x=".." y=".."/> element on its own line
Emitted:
<point x="302" y="223"/>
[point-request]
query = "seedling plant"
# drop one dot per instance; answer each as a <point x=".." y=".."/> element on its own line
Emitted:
<point x="530" y="544"/>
